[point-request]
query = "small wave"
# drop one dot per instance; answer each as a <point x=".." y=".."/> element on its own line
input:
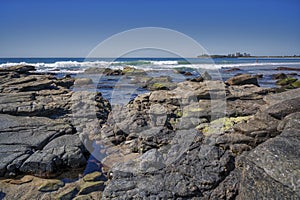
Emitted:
<point x="131" y="63"/>
<point x="166" y="62"/>
<point x="79" y="67"/>
<point x="145" y="62"/>
<point x="256" y="64"/>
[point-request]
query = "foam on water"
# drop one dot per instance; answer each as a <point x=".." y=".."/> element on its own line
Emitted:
<point x="148" y="65"/>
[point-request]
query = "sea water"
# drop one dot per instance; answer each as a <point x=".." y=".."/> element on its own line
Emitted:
<point x="220" y="68"/>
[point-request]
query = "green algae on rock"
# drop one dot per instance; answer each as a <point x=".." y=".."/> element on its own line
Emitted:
<point x="94" y="176"/>
<point x="68" y="193"/>
<point x="286" y="81"/>
<point x="296" y="84"/>
<point x="88" y="187"/>
<point x="50" y="185"/>
<point x="223" y="124"/>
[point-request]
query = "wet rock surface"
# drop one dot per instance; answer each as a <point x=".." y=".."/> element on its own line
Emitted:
<point x="201" y="139"/>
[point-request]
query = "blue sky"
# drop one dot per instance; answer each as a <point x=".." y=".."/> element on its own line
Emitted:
<point x="72" y="28"/>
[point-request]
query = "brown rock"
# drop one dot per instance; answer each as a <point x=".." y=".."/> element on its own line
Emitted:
<point x="242" y="79"/>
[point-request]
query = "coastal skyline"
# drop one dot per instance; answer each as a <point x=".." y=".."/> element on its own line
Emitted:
<point x="63" y="29"/>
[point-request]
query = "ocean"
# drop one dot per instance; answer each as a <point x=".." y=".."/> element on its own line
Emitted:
<point x="219" y="68"/>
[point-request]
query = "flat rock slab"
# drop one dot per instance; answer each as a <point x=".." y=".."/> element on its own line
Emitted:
<point x="37" y="145"/>
<point x="280" y="97"/>
<point x="284" y="108"/>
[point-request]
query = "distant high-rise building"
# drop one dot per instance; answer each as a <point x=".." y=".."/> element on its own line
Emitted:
<point x="238" y="54"/>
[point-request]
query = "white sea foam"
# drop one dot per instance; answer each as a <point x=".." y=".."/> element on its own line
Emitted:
<point x="79" y="67"/>
<point x="167" y="62"/>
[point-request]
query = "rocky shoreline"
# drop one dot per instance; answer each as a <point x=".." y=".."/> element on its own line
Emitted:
<point x="197" y="139"/>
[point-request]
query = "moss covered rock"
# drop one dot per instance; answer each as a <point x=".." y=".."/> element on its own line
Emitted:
<point x="131" y="71"/>
<point x="68" y="193"/>
<point x="296" y="84"/>
<point x="83" y="197"/>
<point x="222" y="125"/>
<point x="161" y="86"/>
<point x="88" y="187"/>
<point x="50" y="185"/>
<point x="191" y="111"/>
<point x="94" y="176"/>
<point x="286" y="81"/>
<point x="25" y="179"/>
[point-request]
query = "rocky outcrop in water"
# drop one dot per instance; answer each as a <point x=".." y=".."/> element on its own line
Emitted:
<point x="200" y="139"/>
<point x="242" y="79"/>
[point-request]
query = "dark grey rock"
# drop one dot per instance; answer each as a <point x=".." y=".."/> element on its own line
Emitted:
<point x="243" y="107"/>
<point x="246" y="92"/>
<point x="40" y="145"/>
<point x="284" y="108"/>
<point x="271" y="171"/>
<point x="42" y="164"/>
<point x="279" y="76"/>
<point x="106" y="71"/>
<point x="38" y="136"/>
<point x="18" y="68"/>
<point x="273" y="99"/>
<point x="290" y="121"/>
<point x="190" y="176"/>
<point x="206" y="76"/>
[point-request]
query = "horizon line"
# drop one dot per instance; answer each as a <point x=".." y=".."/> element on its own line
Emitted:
<point x="199" y="56"/>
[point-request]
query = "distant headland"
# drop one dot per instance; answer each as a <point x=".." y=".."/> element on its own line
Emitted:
<point x="244" y="55"/>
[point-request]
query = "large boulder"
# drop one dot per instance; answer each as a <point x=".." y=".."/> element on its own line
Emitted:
<point x="273" y="99"/>
<point x="83" y="81"/>
<point x="284" y="108"/>
<point x="105" y="71"/>
<point x="194" y="174"/>
<point x="272" y="170"/>
<point x="131" y="71"/>
<point x="242" y="79"/>
<point x="286" y="81"/>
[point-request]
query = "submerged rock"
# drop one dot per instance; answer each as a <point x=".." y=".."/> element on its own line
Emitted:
<point x="279" y="76"/>
<point x="154" y="83"/>
<point x="296" y="84"/>
<point x="288" y="69"/>
<point x="286" y="81"/>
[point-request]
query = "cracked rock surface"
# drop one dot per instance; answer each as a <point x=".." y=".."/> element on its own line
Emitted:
<point x="37" y="133"/>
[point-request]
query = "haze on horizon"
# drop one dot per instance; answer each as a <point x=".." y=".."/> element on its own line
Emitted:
<point x="62" y="28"/>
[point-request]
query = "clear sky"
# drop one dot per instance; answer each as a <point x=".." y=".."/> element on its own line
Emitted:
<point x="72" y="28"/>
